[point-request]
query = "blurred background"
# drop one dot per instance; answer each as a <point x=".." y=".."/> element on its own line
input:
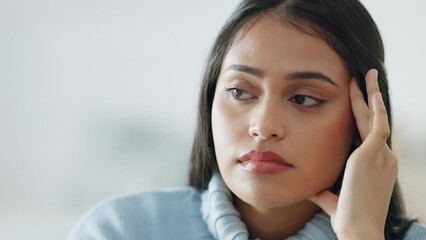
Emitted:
<point x="99" y="98"/>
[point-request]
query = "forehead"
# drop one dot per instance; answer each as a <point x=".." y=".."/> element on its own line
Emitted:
<point x="273" y="45"/>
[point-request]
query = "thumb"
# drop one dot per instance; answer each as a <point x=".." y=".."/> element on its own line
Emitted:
<point x="327" y="201"/>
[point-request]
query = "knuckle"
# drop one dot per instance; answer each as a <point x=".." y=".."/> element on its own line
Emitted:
<point x="392" y="162"/>
<point x="396" y="170"/>
<point x="382" y="133"/>
<point x="381" y="113"/>
<point x="382" y="110"/>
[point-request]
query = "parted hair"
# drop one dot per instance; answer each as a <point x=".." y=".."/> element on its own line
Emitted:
<point x="346" y="26"/>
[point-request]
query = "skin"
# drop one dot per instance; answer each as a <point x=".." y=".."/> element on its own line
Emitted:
<point x="372" y="168"/>
<point x="261" y="104"/>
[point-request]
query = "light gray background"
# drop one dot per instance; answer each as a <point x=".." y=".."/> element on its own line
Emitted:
<point x="98" y="98"/>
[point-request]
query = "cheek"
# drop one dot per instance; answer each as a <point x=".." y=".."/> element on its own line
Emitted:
<point x="326" y="148"/>
<point x="226" y="128"/>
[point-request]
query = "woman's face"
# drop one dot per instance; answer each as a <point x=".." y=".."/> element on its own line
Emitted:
<point x="284" y="92"/>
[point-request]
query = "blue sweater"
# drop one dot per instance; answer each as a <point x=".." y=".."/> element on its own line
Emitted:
<point x="184" y="213"/>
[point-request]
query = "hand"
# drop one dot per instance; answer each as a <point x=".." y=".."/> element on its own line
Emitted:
<point x="360" y="210"/>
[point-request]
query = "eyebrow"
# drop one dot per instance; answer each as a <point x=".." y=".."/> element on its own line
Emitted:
<point x="300" y="75"/>
<point x="246" y="69"/>
<point x="311" y="75"/>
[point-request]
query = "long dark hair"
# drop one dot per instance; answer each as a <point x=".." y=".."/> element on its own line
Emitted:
<point x="346" y="26"/>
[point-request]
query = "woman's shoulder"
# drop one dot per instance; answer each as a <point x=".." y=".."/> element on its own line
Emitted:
<point x="162" y="200"/>
<point x="416" y="231"/>
<point x="145" y="215"/>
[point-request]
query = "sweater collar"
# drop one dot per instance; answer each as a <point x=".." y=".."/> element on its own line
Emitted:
<point x="224" y="221"/>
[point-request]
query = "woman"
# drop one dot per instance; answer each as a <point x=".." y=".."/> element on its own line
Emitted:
<point x="292" y="141"/>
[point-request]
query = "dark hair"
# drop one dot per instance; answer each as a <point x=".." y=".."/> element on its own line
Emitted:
<point x="346" y="26"/>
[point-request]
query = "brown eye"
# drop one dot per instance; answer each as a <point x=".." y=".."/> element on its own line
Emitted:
<point x="299" y="99"/>
<point x="239" y="94"/>
<point x="306" y="101"/>
<point x="236" y="93"/>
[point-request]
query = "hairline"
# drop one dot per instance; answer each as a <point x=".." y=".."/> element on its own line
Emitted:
<point x="282" y="15"/>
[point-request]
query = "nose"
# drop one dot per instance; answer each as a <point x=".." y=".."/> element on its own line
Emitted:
<point x="267" y="122"/>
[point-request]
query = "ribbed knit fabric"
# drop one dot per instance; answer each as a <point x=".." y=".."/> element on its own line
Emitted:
<point x="416" y="232"/>
<point x="224" y="221"/>
<point x="185" y="213"/>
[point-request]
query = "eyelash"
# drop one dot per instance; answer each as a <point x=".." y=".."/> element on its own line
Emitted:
<point x="319" y="102"/>
<point x="294" y="99"/>
<point x="231" y="92"/>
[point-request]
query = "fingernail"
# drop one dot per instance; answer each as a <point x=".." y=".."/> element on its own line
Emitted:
<point x="376" y="76"/>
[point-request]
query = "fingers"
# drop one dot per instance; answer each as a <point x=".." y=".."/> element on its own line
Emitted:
<point x="327" y="201"/>
<point x="365" y="114"/>
<point x="380" y="127"/>
<point x="360" y="109"/>
<point x="372" y="86"/>
<point x="380" y="130"/>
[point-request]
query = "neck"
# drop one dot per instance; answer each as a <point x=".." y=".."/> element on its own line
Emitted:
<point x="275" y="223"/>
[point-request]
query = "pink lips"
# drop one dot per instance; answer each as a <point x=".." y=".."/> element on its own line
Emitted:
<point x="266" y="162"/>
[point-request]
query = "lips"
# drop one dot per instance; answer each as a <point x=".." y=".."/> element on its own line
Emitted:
<point x="264" y="162"/>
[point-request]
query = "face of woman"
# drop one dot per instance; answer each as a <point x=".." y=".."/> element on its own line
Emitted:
<point x="281" y="116"/>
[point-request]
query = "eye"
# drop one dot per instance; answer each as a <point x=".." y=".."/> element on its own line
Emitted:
<point x="239" y="94"/>
<point x="306" y="101"/>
